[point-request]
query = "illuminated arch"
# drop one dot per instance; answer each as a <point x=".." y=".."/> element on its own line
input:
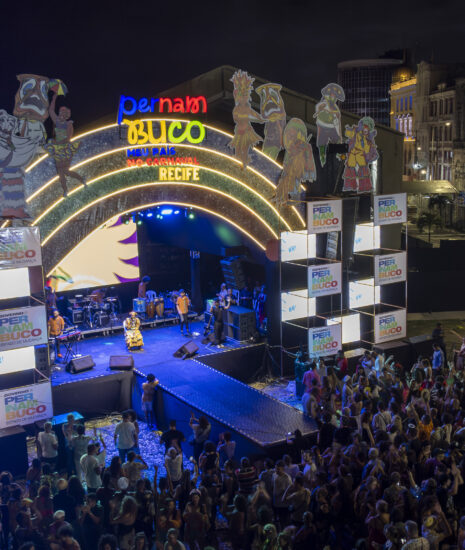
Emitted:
<point x="102" y="160"/>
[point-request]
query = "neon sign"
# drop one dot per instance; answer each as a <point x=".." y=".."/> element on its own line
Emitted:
<point x="170" y="161"/>
<point x="141" y="132"/>
<point x="129" y="105"/>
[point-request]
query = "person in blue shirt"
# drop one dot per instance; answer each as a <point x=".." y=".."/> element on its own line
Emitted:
<point x="438" y="357"/>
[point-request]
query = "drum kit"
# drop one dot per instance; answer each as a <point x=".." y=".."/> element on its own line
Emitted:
<point x="98" y="312"/>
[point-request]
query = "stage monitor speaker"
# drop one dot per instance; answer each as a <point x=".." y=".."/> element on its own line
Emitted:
<point x="187" y="350"/>
<point x="121" y="362"/>
<point x="80" y="364"/>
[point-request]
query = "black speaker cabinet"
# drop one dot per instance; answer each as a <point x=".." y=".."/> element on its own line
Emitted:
<point x="14" y="457"/>
<point x="121" y="362"/>
<point x="79" y="364"/>
<point x="187" y="350"/>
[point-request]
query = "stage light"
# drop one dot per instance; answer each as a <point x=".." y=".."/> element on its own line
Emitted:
<point x="191" y="216"/>
<point x="167" y="211"/>
<point x="176" y="212"/>
<point x="139" y="222"/>
<point x="149" y="215"/>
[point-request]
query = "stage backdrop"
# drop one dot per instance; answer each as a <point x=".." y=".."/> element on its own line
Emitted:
<point x="108" y="256"/>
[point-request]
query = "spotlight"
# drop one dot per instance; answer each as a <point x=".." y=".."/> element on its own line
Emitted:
<point x="176" y="211"/>
<point x="167" y="211"/>
<point x="139" y="222"/>
<point x="191" y="215"/>
<point x="149" y="214"/>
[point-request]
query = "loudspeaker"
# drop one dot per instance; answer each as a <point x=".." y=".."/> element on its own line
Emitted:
<point x="79" y="364"/>
<point x="420" y="345"/>
<point x="187" y="350"/>
<point x="121" y="362"/>
<point x="15" y="460"/>
<point x="42" y="359"/>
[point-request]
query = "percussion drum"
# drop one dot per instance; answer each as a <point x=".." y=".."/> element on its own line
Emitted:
<point x="150" y="310"/>
<point x="138" y="305"/>
<point x="160" y="307"/>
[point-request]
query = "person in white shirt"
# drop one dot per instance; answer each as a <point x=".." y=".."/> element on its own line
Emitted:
<point x="173" y="465"/>
<point x="91" y="469"/>
<point x="125" y="436"/>
<point x="48" y="445"/>
<point x="226" y="448"/>
<point x="281" y="481"/>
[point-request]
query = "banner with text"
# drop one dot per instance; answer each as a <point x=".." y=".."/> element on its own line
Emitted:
<point x="25" y="405"/>
<point x="390" y="268"/>
<point x="390" y="326"/>
<point x="324" y="279"/>
<point x="390" y="208"/>
<point x="324" y="340"/>
<point x="23" y="327"/>
<point x="324" y="216"/>
<point x="20" y="247"/>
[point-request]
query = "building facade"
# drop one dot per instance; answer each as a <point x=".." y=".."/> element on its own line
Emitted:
<point x="440" y="123"/>
<point x="402" y="114"/>
<point x="366" y="84"/>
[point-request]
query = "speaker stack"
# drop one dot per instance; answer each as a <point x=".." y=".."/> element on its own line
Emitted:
<point x="233" y="272"/>
<point x="80" y="364"/>
<point x="121" y="362"/>
<point x="187" y="350"/>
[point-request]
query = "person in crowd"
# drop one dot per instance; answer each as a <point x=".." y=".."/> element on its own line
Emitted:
<point x="91" y="521"/>
<point x="172" y="437"/>
<point x="148" y="396"/>
<point x="132" y="469"/>
<point x="47" y="444"/>
<point x="201" y="429"/>
<point x="226" y="447"/>
<point x="91" y="468"/>
<point x="78" y="444"/>
<point x="125" y="436"/>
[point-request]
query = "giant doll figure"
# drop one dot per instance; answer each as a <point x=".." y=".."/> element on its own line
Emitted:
<point x="328" y="118"/>
<point x="245" y="136"/>
<point x="273" y="112"/>
<point x="362" y="152"/>
<point x="21" y="136"/>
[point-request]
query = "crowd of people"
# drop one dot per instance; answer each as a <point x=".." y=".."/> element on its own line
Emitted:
<point x="384" y="470"/>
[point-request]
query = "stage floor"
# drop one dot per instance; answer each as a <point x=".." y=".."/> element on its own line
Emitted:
<point x="256" y="416"/>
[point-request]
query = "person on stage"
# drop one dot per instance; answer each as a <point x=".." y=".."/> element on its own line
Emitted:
<point x="230" y="299"/>
<point x="56" y="326"/>
<point x="182" y="306"/>
<point x="218" y="325"/>
<point x="222" y="294"/>
<point x="50" y="300"/>
<point x="132" y="333"/>
<point x="142" y="289"/>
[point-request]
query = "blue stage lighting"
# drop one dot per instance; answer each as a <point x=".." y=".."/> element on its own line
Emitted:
<point x="167" y="211"/>
<point x="149" y="215"/>
<point x="176" y="211"/>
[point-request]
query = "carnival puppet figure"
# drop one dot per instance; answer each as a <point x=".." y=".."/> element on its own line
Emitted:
<point x="328" y="119"/>
<point x="132" y="334"/>
<point x="31" y="106"/>
<point x="61" y="148"/>
<point x="245" y="136"/>
<point x="361" y="152"/>
<point x="273" y="112"/>
<point x="298" y="165"/>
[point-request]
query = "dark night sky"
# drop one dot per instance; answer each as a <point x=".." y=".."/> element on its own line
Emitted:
<point x="102" y="49"/>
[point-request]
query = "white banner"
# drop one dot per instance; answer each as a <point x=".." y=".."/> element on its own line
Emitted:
<point x="23" y="327"/>
<point x="390" y="326"/>
<point x="390" y="268"/>
<point x="390" y="209"/>
<point x="296" y="305"/>
<point x="324" y="216"/>
<point x="324" y="279"/>
<point x="324" y="341"/>
<point x="20" y="247"/>
<point x="17" y="360"/>
<point x="20" y="406"/>
<point x="297" y="245"/>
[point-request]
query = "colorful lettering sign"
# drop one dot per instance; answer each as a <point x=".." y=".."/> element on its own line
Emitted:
<point x="150" y="151"/>
<point x="296" y="305"/>
<point x="324" y="216"/>
<point x="26" y="405"/>
<point x="163" y="161"/>
<point x="129" y="105"/>
<point x="297" y="245"/>
<point x="390" y="268"/>
<point x="20" y="247"/>
<point x="324" y="341"/>
<point x="141" y="132"/>
<point x="185" y="173"/>
<point x="390" y="326"/>
<point x="324" y="279"/>
<point x="23" y="327"/>
<point x="390" y="209"/>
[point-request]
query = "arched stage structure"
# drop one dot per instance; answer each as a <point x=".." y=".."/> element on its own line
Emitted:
<point x="217" y="184"/>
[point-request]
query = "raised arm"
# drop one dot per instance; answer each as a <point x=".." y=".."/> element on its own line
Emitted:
<point x="51" y="109"/>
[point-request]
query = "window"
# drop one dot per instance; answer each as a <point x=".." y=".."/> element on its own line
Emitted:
<point x="401" y="103"/>
<point x="397" y="105"/>
<point x="410" y="102"/>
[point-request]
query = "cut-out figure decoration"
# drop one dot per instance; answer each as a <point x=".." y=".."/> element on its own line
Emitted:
<point x="328" y="118"/>
<point x="273" y="112"/>
<point x="61" y="148"/>
<point x="245" y="136"/>
<point x="21" y="137"/>
<point x="298" y="165"/>
<point x="361" y="153"/>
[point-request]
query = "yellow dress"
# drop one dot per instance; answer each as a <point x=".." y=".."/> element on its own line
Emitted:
<point x="132" y="333"/>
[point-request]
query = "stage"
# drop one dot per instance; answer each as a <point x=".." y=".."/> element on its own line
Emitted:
<point x="211" y="383"/>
